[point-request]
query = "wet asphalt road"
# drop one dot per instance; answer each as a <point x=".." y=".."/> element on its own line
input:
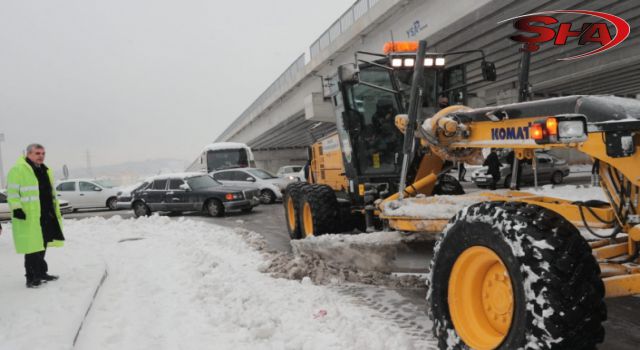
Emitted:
<point x="622" y="327"/>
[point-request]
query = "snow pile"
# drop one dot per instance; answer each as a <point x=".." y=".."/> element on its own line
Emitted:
<point x="336" y="259"/>
<point x="181" y="284"/>
<point x="570" y="192"/>
<point x="432" y="208"/>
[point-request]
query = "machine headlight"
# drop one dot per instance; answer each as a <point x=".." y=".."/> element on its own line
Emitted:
<point x="428" y="62"/>
<point x="409" y="62"/>
<point x="439" y="61"/>
<point x="570" y="129"/>
<point x="396" y="62"/>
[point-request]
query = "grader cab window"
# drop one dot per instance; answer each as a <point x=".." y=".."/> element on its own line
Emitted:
<point x="371" y="121"/>
<point x="452" y="83"/>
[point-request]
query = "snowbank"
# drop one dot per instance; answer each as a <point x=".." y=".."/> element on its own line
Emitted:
<point x="182" y="284"/>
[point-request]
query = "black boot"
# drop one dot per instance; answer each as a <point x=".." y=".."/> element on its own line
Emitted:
<point x="33" y="282"/>
<point x="47" y="277"/>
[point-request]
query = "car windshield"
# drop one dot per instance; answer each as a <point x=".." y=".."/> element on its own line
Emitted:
<point x="104" y="183"/>
<point x="261" y="174"/>
<point x="200" y="182"/>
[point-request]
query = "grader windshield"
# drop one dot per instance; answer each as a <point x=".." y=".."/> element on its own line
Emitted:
<point x="372" y="103"/>
<point x="370" y="118"/>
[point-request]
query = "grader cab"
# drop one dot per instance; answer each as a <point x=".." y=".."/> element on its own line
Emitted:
<point x="361" y="163"/>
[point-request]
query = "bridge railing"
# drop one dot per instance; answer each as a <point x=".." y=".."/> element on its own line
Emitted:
<point x="357" y="10"/>
<point x="291" y="75"/>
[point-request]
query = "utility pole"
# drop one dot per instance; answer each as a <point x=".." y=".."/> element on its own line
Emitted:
<point x="2" y="179"/>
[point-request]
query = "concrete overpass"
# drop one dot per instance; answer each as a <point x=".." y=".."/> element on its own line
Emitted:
<point x="293" y="111"/>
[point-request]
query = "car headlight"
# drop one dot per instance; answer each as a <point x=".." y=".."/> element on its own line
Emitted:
<point x="233" y="196"/>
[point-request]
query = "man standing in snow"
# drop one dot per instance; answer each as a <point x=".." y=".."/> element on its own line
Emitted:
<point x="36" y="220"/>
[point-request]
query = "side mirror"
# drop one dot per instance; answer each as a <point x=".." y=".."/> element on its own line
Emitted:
<point x="185" y="187"/>
<point x="489" y="71"/>
<point x="349" y="73"/>
<point x="251" y="179"/>
<point x="97" y="189"/>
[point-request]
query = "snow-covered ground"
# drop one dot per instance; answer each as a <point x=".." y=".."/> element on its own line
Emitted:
<point x="176" y="284"/>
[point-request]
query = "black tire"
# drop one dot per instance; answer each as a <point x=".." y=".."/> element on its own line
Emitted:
<point x="214" y="208"/>
<point x="323" y="206"/>
<point x="112" y="203"/>
<point x="557" y="177"/>
<point x="507" y="181"/>
<point x="140" y="209"/>
<point x="267" y="197"/>
<point x="558" y="295"/>
<point x="291" y="203"/>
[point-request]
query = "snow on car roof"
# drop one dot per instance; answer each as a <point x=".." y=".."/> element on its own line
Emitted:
<point x="216" y="146"/>
<point x="183" y="175"/>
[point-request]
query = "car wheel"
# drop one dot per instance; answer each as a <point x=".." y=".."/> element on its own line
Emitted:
<point x="556" y="178"/>
<point x="267" y="197"/>
<point x="112" y="203"/>
<point x="214" y="208"/>
<point x="141" y="209"/>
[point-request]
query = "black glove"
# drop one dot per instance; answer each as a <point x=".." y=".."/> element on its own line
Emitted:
<point x="19" y="214"/>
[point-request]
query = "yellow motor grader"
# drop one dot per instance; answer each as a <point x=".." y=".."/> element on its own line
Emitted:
<point x="510" y="269"/>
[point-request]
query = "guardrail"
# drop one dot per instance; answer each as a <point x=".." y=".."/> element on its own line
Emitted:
<point x="290" y="76"/>
<point x="357" y="10"/>
<point x="283" y="82"/>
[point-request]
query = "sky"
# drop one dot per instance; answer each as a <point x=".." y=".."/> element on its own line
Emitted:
<point x="130" y="80"/>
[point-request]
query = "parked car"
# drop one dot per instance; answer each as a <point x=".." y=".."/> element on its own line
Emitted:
<point x="192" y="192"/>
<point x="291" y="172"/>
<point x="271" y="187"/>
<point x="84" y="194"/>
<point x="125" y="195"/>
<point x="5" y="211"/>
<point x="550" y="169"/>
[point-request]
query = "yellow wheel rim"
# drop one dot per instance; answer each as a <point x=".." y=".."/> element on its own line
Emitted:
<point x="291" y="214"/>
<point x="480" y="298"/>
<point x="307" y="220"/>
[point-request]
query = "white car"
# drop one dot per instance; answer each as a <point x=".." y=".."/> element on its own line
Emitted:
<point x="271" y="187"/>
<point x="84" y="194"/>
<point x="291" y="172"/>
<point x="5" y="212"/>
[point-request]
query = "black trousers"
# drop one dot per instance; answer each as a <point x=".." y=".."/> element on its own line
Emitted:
<point x="494" y="183"/>
<point x="35" y="265"/>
